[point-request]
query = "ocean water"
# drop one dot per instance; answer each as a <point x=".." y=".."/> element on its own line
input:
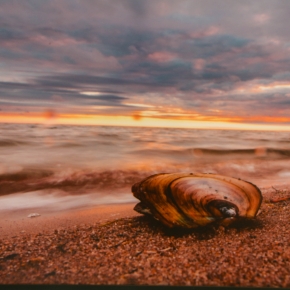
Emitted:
<point x="62" y="166"/>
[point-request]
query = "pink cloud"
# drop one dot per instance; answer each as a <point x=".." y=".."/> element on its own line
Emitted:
<point x="261" y="18"/>
<point x="199" y="64"/>
<point x="212" y="30"/>
<point x="161" y="56"/>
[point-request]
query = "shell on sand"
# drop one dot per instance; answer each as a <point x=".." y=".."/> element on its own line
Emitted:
<point x="190" y="200"/>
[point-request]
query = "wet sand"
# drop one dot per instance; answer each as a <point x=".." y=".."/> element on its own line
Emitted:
<point x="14" y="223"/>
<point x="112" y="244"/>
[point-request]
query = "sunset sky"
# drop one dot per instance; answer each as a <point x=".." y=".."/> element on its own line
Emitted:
<point x="208" y="64"/>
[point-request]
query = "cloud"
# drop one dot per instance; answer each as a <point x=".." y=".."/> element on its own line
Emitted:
<point x="109" y="98"/>
<point x="172" y="55"/>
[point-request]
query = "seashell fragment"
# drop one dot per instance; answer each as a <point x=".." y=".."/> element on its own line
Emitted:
<point x="190" y="200"/>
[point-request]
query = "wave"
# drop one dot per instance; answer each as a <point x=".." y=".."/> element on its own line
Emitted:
<point x="197" y="152"/>
<point x="109" y="135"/>
<point x="259" y="151"/>
<point x="79" y="182"/>
<point x="23" y="180"/>
<point x="283" y="152"/>
<point x="9" y="142"/>
<point x="25" y="174"/>
<point x="69" y="145"/>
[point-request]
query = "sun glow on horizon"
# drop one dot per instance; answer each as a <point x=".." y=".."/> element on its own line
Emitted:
<point x="49" y="118"/>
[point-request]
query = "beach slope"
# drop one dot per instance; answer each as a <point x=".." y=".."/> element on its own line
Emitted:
<point x="114" y="245"/>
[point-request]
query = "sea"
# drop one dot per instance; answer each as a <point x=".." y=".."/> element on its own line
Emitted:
<point x="61" y="167"/>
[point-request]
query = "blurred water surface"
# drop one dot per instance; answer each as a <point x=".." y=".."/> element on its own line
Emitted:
<point x="40" y="165"/>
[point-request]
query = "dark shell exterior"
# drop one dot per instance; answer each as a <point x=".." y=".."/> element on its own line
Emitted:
<point x="190" y="200"/>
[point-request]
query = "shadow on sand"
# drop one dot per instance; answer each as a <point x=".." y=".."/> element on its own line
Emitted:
<point x="201" y="233"/>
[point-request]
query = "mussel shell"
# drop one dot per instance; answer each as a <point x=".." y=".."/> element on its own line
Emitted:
<point x="191" y="200"/>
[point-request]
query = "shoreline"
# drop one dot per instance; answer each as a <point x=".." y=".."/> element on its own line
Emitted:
<point x="17" y="222"/>
<point x="114" y="245"/>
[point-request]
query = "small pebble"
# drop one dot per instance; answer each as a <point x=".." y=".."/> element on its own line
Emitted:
<point x="32" y="215"/>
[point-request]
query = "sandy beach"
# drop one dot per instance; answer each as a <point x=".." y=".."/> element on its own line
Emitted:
<point x="14" y="223"/>
<point x="112" y="244"/>
<point x="179" y="109"/>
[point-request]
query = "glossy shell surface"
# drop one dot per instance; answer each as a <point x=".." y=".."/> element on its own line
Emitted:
<point x="190" y="200"/>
